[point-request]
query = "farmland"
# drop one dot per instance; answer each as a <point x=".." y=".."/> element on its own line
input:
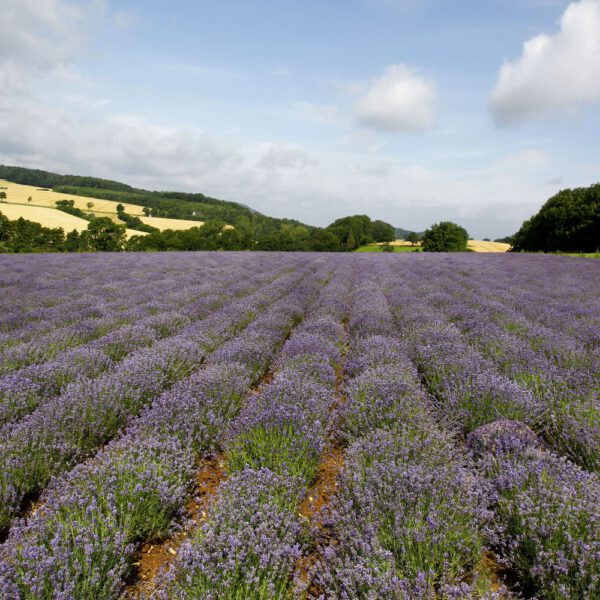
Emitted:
<point x="39" y="205"/>
<point x="284" y="425"/>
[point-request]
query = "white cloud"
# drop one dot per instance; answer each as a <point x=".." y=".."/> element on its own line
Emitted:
<point x="399" y="101"/>
<point x="69" y="131"/>
<point x="37" y="37"/>
<point x="555" y="74"/>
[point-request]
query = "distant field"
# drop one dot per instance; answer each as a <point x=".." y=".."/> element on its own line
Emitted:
<point x="18" y="194"/>
<point x="404" y="246"/>
<point x="379" y="248"/>
<point x="50" y="217"/>
<point x="482" y="246"/>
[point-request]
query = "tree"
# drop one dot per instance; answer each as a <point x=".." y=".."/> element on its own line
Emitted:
<point x="104" y="235"/>
<point x="445" y="237"/>
<point x="567" y="222"/>
<point x="90" y="205"/>
<point x="413" y="238"/>
<point x="2" y="196"/>
<point x="120" y="208"/>
<point x="352" y="231"/>
<point x="383" y="232"/>
<point x="72" y="241"/>
<point x="146" y="211"/>
<point x="29" y="199"/>
<point x="351" y="242"/>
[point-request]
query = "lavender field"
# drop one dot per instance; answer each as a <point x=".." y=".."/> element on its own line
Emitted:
<point x="264" y="425"/>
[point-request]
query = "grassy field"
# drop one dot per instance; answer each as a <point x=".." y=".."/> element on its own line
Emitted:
<point x="378" y="248"/>
<point x="18" y="195"/>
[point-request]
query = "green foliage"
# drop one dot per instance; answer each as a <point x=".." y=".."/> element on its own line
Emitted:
<point x="134" y="222"/>
<point x="26" y="236"/>
<point x="445" y="237"/>
<point x="568" y="222"/>
<point x="383" y="232"/>
<point x="352" y="231"/>
<point x="387" y="248"/>
<point x="103" y="235"/>
<point x="413" y="238"/>
<point x="68" y="206"/>
<point x="509" y="239"/>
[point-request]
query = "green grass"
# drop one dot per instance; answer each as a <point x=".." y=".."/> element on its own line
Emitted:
<point x="376" y="248"/>
<point x="583" y="255"/>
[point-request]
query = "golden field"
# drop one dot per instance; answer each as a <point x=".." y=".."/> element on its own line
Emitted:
<point x="475" y="245"/>
<point x="50" y="217"/>
<point x="18" y="195"/>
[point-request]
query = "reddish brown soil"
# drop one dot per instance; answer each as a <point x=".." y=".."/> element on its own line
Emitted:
<point x="494" y="571"/>
<point x="152" y="558"/>
<point x="321" y="492"/>
<point x="319" y="495"/>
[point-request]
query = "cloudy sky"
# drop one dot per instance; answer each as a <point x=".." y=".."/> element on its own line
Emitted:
<point x="411" y="111"/>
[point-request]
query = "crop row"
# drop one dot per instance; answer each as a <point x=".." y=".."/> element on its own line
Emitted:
<point x="90" y="412"/>
<point x="136" y="486"/>
<point x="457" y="419"/>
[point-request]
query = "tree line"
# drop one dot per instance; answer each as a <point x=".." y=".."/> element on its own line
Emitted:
<point x="102" y="234"/>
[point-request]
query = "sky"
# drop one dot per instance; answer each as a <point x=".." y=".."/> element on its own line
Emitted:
<point x="410" y="111"/>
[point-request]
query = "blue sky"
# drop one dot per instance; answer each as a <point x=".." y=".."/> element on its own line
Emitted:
<point x="409" y="111"/>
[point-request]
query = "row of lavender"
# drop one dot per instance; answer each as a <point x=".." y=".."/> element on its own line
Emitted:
<point x="410" y="518"/>
<point x="552" y="375"/>
<point x="546" y="523"/>
<point x="90" y="411"/>
<point x="83" y="538"/>
<point x="254" y="536"/>
<point x="437" y="485"/>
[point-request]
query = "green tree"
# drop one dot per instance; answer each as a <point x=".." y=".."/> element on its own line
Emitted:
<point x="90" y="205"/>
<point x="120" y="208"/>
<point x="445" y="237"/>
<point x="352" y="231"/>
<point x="2" y="196"/>
<point x="567" y="222"/>
<point x="413" y="238"/>
<point x="106" y="236"/>
<point x="72" y="241"/>
<point x="383" y="232"/>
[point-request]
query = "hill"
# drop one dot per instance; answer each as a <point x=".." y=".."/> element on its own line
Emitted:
<point x="402" y="234"/>
<point x="194" y="207"/>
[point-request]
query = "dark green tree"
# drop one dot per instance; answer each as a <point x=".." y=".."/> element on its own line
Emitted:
<point x="72" y="241"/>
<point x="567" y="222"/>
<point x="352" y="231"/>
<point x="105" y="236"/>
<point x="413" y="238"/>
<point x="445" y="237"/>
<point x="383" y="232"/>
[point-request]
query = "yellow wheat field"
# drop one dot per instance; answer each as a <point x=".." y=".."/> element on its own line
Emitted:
<point x="482" y="246"/>
<point x="50" y="217"/>
<point x="475" y="245"/>
<point x="18" y="194"/>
